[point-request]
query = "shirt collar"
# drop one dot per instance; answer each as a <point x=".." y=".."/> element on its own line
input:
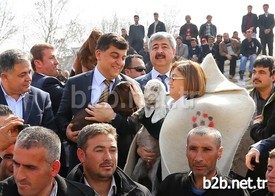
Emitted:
<point x="112" y="190"/>
<point x="99" y="78"/>
<point x="6" y="94"/>
<point x="155" y="73"/>
<point x="54" y="189"/>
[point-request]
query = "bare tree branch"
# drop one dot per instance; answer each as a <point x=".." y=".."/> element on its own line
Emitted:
<point x="7" y="27"/>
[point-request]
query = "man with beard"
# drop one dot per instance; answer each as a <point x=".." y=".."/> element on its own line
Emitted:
<point x="203" y="150"/>
<point x="162" y="48"/>
<point x="97" y="152"/>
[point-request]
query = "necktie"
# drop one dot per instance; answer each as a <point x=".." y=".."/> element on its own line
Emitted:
<point x="104" y="95"/>
<point x="163" y="77"/>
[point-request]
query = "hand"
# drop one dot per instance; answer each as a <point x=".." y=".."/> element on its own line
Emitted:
<point x="258" y="119"/>
<point x="146" y="155"/>
<point x="229" y="57"/>
<point x="9" y="132"/>
<point x="137" y="95"/>
<point x="252" y="154"/>
<point x="101" y="112"/>
<point x="72" y="135"/>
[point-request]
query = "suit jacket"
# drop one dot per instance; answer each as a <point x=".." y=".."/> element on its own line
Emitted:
<point x="66" y="187"/>
<point x="266" y="23"/>
<point x="37" y="110"/>
<point x="254" y="22"/>
<point x="76" y="96"/>
<point x="51" y="85"/>
<point x="160" y="27"/>
<point x="136" y="35"/>
<point x="142" y="80"/>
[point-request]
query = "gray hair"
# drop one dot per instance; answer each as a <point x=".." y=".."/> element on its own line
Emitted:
<point x="5" y="110"/>
<point x="90" y="131"/>
<point x="162" y="35"/>
<point x="204" y="130"/>
<point x="40" y="137"/>
<point x="11" y="57"/>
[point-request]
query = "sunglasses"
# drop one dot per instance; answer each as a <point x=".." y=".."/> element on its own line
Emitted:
<point x="138" y="69"/>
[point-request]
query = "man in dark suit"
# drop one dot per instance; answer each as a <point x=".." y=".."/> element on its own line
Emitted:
<point x="266" y="24"/>
<point x="156" y="26"/>
<point x="27" y="102"/>
<point x="84" y="91"/>
<point x="36" y="165"/>
<point x="45" y="66"/>
<point x="136" y="35"/>
<point x="249" y="21"/>
<point x="162" y="48"/>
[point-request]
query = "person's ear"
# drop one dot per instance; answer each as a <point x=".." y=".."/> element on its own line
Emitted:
<point x="220" y="151"/>
<point x="127" y="71"/>
<point x="55" y="167"/>
<point x="38" y="63"/>
<point x="81" y="155"/>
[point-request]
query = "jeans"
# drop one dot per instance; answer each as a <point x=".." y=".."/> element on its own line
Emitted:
<point x="244" y="60"/>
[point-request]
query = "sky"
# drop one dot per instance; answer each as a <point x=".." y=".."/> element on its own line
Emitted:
<point x="227" y="15"/>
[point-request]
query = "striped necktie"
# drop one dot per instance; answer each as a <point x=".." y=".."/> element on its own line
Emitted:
<point x="104" y="95"/>
<point x="163" y="77"/>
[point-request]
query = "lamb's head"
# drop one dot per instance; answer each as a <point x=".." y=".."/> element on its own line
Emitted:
<point x="155" y="97"/>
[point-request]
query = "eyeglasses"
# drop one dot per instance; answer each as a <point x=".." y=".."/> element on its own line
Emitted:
<point x="173" y="78"/>
<point x="138" y="69"/>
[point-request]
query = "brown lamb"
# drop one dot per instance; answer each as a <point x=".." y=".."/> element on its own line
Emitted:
<point x="120" y="99"/>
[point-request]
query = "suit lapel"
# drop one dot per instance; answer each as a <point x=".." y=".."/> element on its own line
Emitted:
<point x="2" y="98"/>
<point x="27" y="105"/>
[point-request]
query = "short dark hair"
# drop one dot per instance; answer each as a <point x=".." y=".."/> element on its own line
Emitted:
<point x="92" y="130"/>
<point x="155" y="13"/>
<point x="108" y="39"/>
<point x="266" y="5"/>
<point x="136" y="16"/>
<point x="128" y="60"/>
<point x="5" y="110"/>
<point x="204" y="130"/>
<point x="265" y="61"/>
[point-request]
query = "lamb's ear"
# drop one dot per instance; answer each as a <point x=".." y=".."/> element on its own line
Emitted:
<point x="149" y="111"/>
<point x="160" y="113"/>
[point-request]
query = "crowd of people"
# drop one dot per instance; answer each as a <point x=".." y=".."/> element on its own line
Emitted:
<point x="42" y="155"/>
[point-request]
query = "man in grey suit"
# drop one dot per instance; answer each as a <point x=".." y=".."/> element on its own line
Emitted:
<point x="162" y="48"/>
<point x="27" y="102"/>
<point x="84" y="91"/>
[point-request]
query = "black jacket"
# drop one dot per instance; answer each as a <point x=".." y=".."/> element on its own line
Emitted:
<point x="125" y="185"/>
<point x="266" y="128"/>
<point x="66" y="187"/>
<point x="181" y="184"/>
<point x="160" y="27"/>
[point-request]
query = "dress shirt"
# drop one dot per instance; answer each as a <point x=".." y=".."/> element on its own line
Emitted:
<point x="98" y="86"/>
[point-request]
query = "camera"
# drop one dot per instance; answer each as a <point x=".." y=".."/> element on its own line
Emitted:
<point x="21" y="127"/>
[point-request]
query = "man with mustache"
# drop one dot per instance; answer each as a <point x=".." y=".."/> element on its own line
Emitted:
<point x="203" y="150"/>
<point x="162" y="49"/>
<point x="97" y="152"/>
<point x="263" y="125"/>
